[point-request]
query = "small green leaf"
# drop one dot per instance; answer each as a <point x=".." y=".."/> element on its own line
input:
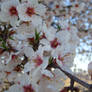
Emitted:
<point x="37" y="35"/>
<point x="4" y="45"/>
<point x="1" y="39"/>
<point x="58" y="27"/>
<point x="50" y="60"/>
<point x="11" y="38"/>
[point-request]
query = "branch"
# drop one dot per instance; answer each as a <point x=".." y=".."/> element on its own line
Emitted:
<point x="72" y="77"/>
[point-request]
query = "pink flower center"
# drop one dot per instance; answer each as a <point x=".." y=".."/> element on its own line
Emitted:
<point x="7" y="73"/>
<point x="43" y="36"/>
<point x="60" y="58"/>
<point x="28" y="88"/>
<point x="76" y="5"/>
<point x="13" y="11"/>
<point x="38" y="61"/>
<point x="30" y="11"/>
<point x="68" y="28"/>
<point x="54" y="43"/>
<point x="14" y="57"/>
<point x="57" y="6"/>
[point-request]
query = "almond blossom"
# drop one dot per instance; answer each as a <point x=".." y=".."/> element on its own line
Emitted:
<point x="28" y="11"/>
<point x="9" y="12"/>
<point x="23" y="84"/>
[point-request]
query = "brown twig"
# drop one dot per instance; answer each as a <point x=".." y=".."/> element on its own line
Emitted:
<point x="72" y="77"/>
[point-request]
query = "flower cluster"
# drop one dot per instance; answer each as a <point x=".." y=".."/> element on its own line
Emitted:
<point x="29" y="43"/>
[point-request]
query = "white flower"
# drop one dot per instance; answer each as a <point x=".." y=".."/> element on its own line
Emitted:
<point x="52" y="85"/>
<point x="63" y="36"/>
<point x="49" y="32"/>
<point x="29" y="10"/>
<point x="27" y="30"/>
<point x="39" y="60"/>
<point x="9" y="12"/>
<point x="40" y="63"/>
<point x="22" y="84"/>
<point x="63" y="57"/>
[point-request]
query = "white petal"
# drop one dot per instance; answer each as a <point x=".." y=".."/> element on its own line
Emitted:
<point x="47" y="73"/>
<point x="40" y="9"/>
<point x="29" y="52"/>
